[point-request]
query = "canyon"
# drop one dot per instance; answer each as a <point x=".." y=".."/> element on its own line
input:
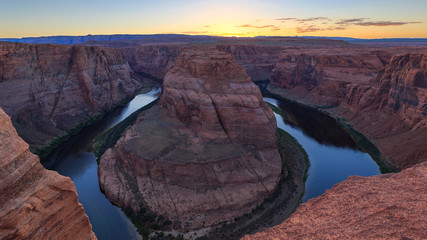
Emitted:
<point x="197" y="158"/>
<point x="35" y="203"/>
<point x="50" y="91"/>
<point x="382" y="95"/>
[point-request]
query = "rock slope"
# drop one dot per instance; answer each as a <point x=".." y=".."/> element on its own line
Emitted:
<point x="207" y="155"/>
<point x="389" y="206"/>
<point x="382" y="95"/>
<point x="49" y="89"/>
<point x="35" y="203"/>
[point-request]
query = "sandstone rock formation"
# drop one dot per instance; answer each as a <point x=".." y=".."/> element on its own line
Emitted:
<point x="389" y="206"/>
<point x="35" y="203"/>
<point x="208" y="155"/>
<point x="48" y="89"/>
<point x="382" y="95"/>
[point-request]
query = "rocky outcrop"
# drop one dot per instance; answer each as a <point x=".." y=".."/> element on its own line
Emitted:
<point x="153" y="60"/>
<point x="213" y="95"/>
<point x="207" y="155"/>
<point x="389" y="206"/>
<point x="49" y="89"/>
<point x="156" y="60"/>
<point x="35" y="203"/>
<point x="381" y="95"/>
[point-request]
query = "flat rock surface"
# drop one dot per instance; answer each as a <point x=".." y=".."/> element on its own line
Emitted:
<point x="389" y="206"/>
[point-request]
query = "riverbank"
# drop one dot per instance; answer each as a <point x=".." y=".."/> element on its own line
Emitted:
<point x="361" y="140"/>
<point x="281" y="204"/>
<point x="272" y="212"/>
<point x="44" y="151"/>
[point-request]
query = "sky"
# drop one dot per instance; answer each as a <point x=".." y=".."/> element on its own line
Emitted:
<point x="243" y="18"/>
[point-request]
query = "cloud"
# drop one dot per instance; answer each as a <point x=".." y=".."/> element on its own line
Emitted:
<point x="361" y="22"/>
<point x="350" y="21"/>
<point x="286" y="19"/>
<point x="308" y="29"/>
<point x="383" y="23"/>
<point x="313" y="19"/>
<point x="311" y="24"/>
<point x="253" y="26"/>
<point x="313" y="28"/>
<point x="195" y="32"/>
<point x="303" y="20"/>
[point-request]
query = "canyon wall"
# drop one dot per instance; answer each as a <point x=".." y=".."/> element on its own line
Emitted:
<point x="156" y="60"/>
<point x="49" y="89"/>
<point x="35" y="203"/>
<point x="382" y="93"/>
<point x="198" y="159"/>
<point x="388" y="206"/>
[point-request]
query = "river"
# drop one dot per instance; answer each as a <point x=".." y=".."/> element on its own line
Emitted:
<point x="333" y="157"/>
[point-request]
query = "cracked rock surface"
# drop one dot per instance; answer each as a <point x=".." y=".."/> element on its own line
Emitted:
<point x="206" y="155"/>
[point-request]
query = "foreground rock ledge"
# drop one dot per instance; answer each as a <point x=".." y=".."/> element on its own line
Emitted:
<point x="35" y="203"/>
<point x="389" y="206"/>
<point x="207" y="155"/>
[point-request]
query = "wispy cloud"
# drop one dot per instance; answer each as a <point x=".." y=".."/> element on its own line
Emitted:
<point x="271" y="27"/>
<point x="383" y="23"/>
<point x="313" y="19"/>
<point x="195" y="32"/>
<point x="316" y="24"/>
<point x="313" y="28"/>
<point x="253" y="26"/>
<point x="286" y="19"/>
<point x="350" y="21"/>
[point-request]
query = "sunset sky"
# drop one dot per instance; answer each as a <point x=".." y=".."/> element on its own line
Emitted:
<point x="360" y="19"/>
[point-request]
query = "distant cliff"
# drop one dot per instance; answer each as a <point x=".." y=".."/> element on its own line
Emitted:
<point x="50" y="89"/>
<point x="382" y="94"/>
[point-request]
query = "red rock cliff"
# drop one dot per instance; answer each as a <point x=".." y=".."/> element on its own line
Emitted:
<point x="48" y="89"/>
<point x="381" y="95"/>
<point x="35" y="203"/>
<point x="208" y="156"/>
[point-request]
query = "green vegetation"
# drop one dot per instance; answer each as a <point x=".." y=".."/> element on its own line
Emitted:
<point x="44" y="151"/>
<point x="362" y="141"/>
<point x="366" y="145"/>
<point x="295" y="165"/>
<point x="109" y="138"/>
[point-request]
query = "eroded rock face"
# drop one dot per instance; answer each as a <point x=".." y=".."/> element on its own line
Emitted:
<point x="48" y="89"/>
<point x="211" y="92"/>
<point x="381" y="95"/>
<point x="389" y="206"/>
<point x="35" y="203"/>
<point x="208" y="155"/>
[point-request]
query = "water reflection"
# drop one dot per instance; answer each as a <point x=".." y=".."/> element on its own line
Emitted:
<point x="333" y="154"/>
<point x="75" y="159"/>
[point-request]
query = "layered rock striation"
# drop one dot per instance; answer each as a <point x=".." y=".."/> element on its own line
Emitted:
<point x="382" y="95"/>
<point x="389" y="206"/>
<point x="49" y="89"/>
<point x="35" y="203"/>
<point x="206" y="155"/>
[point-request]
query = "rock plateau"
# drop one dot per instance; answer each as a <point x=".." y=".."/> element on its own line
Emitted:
<point x="35" y="203"/>
<point x="206" y="155"/>
<point x="389" y="206"/>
